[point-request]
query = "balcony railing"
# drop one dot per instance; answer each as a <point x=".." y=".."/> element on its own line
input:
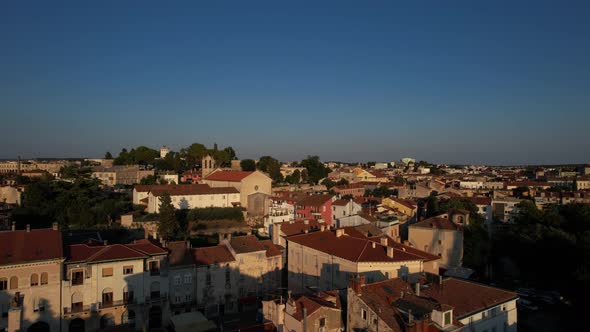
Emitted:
<point x="117" y="303"/>
<point x="77" y="309"/>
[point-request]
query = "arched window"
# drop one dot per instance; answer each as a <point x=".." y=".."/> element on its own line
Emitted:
<point x="13" y="282"/>
<point x="128" y="294"/>
<point x="44" y="278"/>
<point x="34" y="279"/>
<point x="77" y="302"/>
<point x="107" y="297"/>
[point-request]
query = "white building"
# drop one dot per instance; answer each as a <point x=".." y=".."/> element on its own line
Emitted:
<point x="164" y="150"/>
<point x="193" y="196"/>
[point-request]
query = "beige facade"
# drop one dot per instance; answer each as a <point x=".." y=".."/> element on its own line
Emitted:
<point x="11" y="195"/>
<point x="404" y="206"/>
<point x="120" y="175"/>
<point x="255" y="189"/>
<point x="194" y="201"/>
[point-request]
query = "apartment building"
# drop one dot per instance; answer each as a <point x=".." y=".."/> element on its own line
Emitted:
<point x="443" y="305"/>
<point x="30" y="277"/>
<point x="342" y="208"/>
<point x="106" y="285"/>
<point x="354" y="190"/>
<point x="315" y="207"/>
<point x="326" y="259"/>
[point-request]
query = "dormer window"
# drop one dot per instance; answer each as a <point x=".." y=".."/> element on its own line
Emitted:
<point x="447" y="318"/>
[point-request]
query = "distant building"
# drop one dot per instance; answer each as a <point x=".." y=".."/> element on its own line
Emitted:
<point x="164" y="150"/>
<point x="505" y="208"/>
<point x="354" y="190"/>
<point x="315" y="207"/>
<point x="120" y="175"/>
<point x="186" y="196"/>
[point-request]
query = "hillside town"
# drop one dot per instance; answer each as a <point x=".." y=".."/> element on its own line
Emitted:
<point x="198" y="240"/>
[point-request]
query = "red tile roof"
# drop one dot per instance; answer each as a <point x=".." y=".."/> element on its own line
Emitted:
<point x="314" y="302"/>
<point x="439" y="223"/>
<point x="340" y="202"/>
<point x="467" y="297"/>
<point x="245" y="244"/>
<point x="147" y="247"/>
<point x="271" y="249"/>
<point x="315" y="200"/>
<point x="480" y="200"/>
<point x="230" y="176"/>
<point x="351" y="248"/>
<point x="192" y="189"/>
<point x="36" y="245"/>
<point x="95" y="252"/>
<point x="299" y="227"/>
<point x="212" y="255"/>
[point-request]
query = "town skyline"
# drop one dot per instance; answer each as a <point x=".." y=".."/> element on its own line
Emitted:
<point x="472" y="83"/>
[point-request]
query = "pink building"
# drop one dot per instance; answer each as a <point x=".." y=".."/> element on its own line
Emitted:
<point x="315" y="207"/>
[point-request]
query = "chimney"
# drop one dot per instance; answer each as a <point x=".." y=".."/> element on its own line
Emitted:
<point x="384" y="241"/>
<point x="55" y="226"/>
<point x="28" y="228"/>
<point x="417" y="289"/>
<point x="304" y="319"/>
<point x="339" y="232"/>
<point x="306" y="222"/>
<point x="14" y="226"/>
<point x="373" y="244"/>
<point x="390" y="252"/>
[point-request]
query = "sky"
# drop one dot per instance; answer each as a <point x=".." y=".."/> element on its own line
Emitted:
<point x="485" y="82"/>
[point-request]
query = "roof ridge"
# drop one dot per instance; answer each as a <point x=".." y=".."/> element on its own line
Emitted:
<point x="364" y="248"/>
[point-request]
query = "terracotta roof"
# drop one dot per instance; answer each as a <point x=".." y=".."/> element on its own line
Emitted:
<point x="313" y="302"/>
<point x="340" y="202"/>
<point x="271" y="249"/>
<point x="480" y="200"/>
<point x="95" y="252"/>
<point x="405" y="202"/>
<point x="212" y="255"/>
<point x="349" y="186"/>
<point x="147" y="247"/>
<point x="36" y="245"/>
<point x="467" y="297"/>
<point x="192" y="189"/>
<point x="351" y="248"/>
<point x="245" y="244"/>
<point x="179" y="254"/>
<point x="314" y="200"/>
<point x="439" y="223"/>
<point x="298" y="227"/>
<point x="230" y="176"/>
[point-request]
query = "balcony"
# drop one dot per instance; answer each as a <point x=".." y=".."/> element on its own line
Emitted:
<point x="77" y="309"/>
<point x="118" y="303"/>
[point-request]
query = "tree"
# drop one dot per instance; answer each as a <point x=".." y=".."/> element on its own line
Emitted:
<point x="193" y="154"/>
<point x="271" y="166"/>
<point x="294" y="178"/>
<point x="315" y="168"/>
<point x="168" y="226"/>
<point x="431" y="206"/>
<point x="148" y="180"/>
<point x="304" y="176"/>
<point x="328" y="183"/>
<point x="108" y="155"/>
<point x="248" y="165"/>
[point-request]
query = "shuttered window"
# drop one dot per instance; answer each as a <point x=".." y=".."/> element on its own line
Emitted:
<point x="107" y="272"/>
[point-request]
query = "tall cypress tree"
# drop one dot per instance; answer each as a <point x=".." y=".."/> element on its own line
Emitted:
<point x="168" y="226"/>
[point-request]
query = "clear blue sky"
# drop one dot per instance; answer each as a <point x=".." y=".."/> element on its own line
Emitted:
<point x="446" y="81"/>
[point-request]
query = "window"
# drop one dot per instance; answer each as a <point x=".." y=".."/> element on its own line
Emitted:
<point x="13" y="282"/>
<point x="107" y="272"/>
<point x="484" y="314"/>
<point x="154" y="267"/>
<point x="188" y="278"/>
<point x="177" y="280"/>
<point x="77" y="277"/>
<point x="227" y="274"/>
<point x="177" y="298"/>
<point x="364" y="314"/>
<point x="128" y="269"/>
<point x="439" y="242"/>
<point x="34" y="280"/>
<point x="44" y="278"/>
<point x="107" y="296"/>
<point x="447" y="320"/>
<point x="208" y="279"/>
<point x="128" y="294"/>
<point x="322" y="324"/>
<point x="3" y="284"/>
<point x="187" y="297"/>
<point x="38" y="305"/>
